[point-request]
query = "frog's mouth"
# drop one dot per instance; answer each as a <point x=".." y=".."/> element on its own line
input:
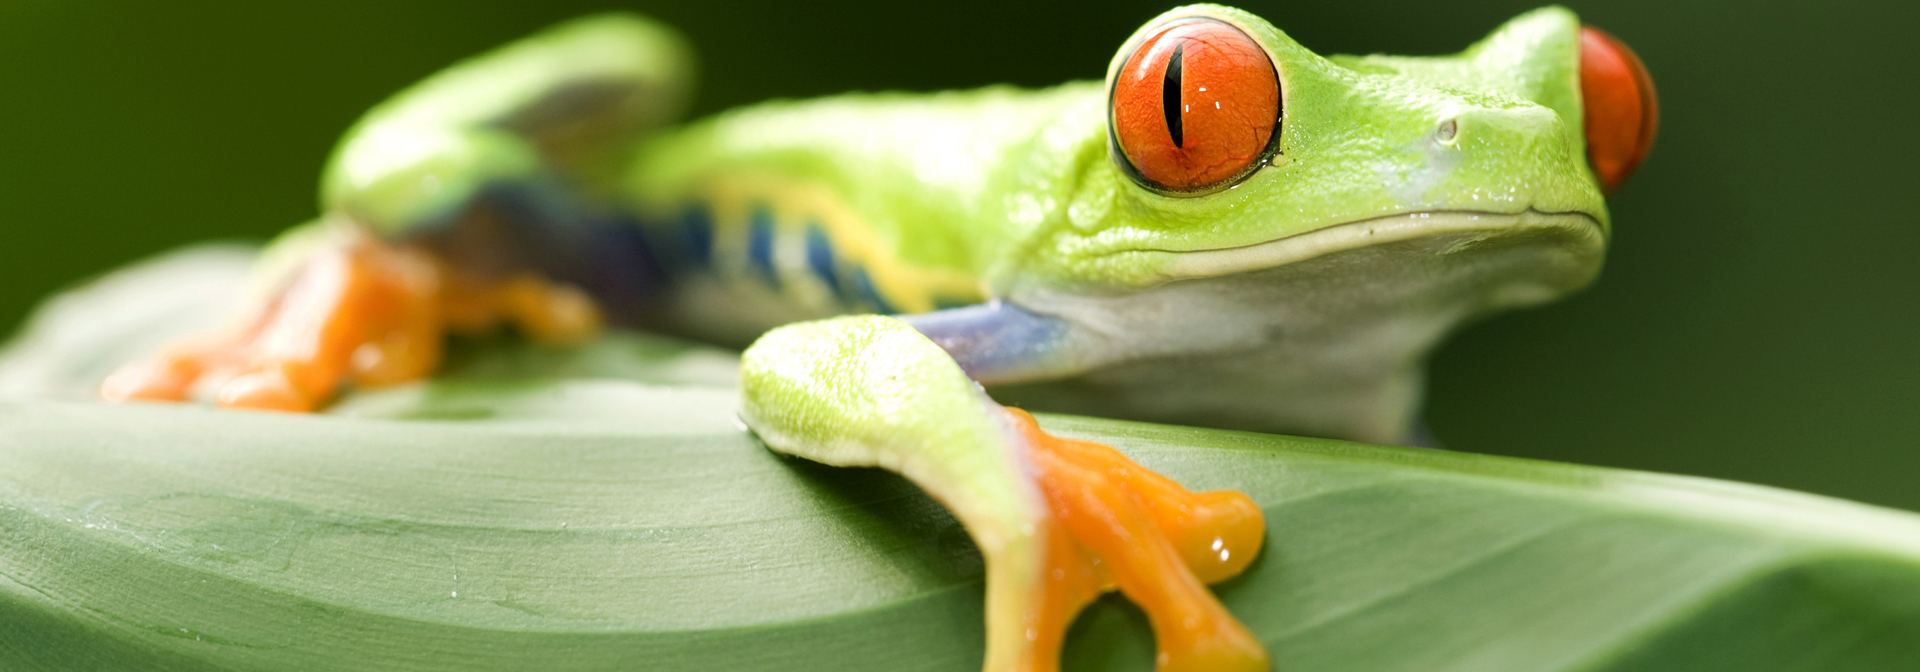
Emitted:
<point x="1465" y="229"/>
<point x="1322" y="333"/>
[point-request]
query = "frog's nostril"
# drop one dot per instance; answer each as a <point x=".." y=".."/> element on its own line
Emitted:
<point x="1447" y="131"/>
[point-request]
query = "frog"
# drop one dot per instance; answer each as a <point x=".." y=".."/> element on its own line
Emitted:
<point x="1229" y="230"/>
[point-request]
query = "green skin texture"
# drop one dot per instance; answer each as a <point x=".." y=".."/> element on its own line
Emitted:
<point x="1014" y="190"/>
<point x="1041" y="202"/>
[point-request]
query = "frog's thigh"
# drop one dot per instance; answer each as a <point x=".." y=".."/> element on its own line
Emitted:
<point x="1058" y="521"/>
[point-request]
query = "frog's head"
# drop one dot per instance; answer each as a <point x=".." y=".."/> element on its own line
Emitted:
<point x="1230" y="148"/>
<point x="1336" y="215"/>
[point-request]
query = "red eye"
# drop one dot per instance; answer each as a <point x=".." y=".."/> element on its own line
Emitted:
<point x="1622" y="113"/>
<point x="1197" y="105"/>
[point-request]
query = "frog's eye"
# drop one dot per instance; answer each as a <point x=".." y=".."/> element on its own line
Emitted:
<point x="1195" y="107"/>
<point x="1621" y="111"/>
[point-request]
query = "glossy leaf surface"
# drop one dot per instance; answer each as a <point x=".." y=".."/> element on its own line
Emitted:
<point x="599" y="509"/>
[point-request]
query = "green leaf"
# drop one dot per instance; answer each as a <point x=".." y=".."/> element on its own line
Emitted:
<point x="600" y="509"/>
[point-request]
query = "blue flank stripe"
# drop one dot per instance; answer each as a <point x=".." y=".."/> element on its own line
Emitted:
<point x="820" y="258"/>
<point x="864" y="289"/>
<point x="760" y="243"/>
<point x="696" y="225"/>
<point x="996" y="341"/>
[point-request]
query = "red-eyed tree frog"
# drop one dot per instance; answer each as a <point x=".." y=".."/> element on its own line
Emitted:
<point x="1230" y="230"/>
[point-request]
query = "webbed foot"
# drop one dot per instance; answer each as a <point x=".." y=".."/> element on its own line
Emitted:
<point x="1120" y="525"/>
<point x="355" y="310"/>
<point x="1058" y="521"/>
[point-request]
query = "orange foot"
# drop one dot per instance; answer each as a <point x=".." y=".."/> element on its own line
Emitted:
<point x="1119" y="525"/>
<point x="357" y="310"/>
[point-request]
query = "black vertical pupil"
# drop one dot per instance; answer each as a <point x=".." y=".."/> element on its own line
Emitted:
<point x="1170" y="97"/>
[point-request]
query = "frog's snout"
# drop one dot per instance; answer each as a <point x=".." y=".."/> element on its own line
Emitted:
<point x="1502" y="153"/>
<point x="1500" y="129"/>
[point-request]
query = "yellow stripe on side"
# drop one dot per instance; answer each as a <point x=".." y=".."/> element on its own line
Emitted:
<point x="794" y="206"/>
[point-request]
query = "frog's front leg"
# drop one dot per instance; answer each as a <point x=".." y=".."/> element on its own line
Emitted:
<point x="1058" y="521"/>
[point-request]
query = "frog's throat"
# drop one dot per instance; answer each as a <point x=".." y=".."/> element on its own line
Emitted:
<point x="1376" y="231"/>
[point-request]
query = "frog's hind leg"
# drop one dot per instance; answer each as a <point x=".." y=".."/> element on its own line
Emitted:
<point x="353" y="306"/>
<point x="473" y="198"/>
<point x="355" y="310"/>
<point x="1058" y="521"/>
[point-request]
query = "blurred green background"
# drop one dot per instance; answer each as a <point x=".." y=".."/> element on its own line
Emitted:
<point x="1754" y="321"/>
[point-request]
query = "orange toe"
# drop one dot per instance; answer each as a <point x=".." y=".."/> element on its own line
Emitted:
<point x="358" y="310"/>
<point x="293" y="351"/>
<point x="161" y="379"/>
<point x="551" y="313"/>
<point x="1120" y="525"/>
<point x="543" y="310"/>
<point x="266" y="389"/>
